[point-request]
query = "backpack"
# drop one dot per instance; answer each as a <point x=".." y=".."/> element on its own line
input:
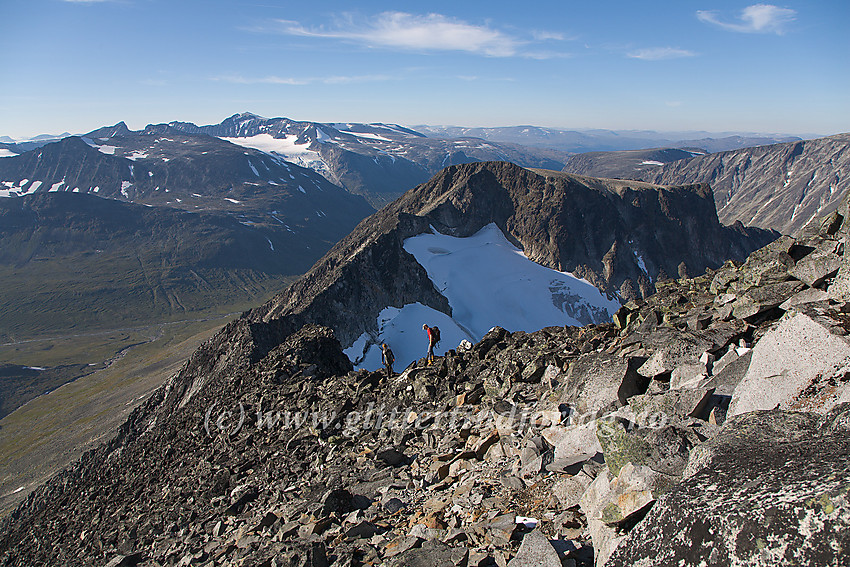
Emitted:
<point x="435" y="332"/>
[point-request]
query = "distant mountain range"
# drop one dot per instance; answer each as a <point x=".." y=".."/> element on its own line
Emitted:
<point x="580" y="141"/>
<point x="122" y="226"/>
<point x="378" y="161"/>
<point x="381" y="161"/>
<point x="628" y="164"/>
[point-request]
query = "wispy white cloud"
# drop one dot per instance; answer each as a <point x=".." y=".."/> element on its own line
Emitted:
<point x="431" y="32"/>
<point x="550" y="35"/>
<point x="659" y="53"/>
<point x="424" y="33"/>
<point x="758" y="18"/>
<point x="275" y="80"/>
<point x="544" y="55"/>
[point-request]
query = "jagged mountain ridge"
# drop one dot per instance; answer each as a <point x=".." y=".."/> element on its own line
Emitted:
<point x="620" y="236"/>
<point x="779" y="186"/>
<point x="378" y="161"/>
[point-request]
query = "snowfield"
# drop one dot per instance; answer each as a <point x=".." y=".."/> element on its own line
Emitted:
<point x="300" y="154"/>
<point x="488" y="282"/>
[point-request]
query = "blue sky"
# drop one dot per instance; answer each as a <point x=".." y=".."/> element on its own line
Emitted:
<point x="713" y="65"/>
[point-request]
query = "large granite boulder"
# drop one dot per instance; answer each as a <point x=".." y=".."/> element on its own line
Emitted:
<point x="803" y="364"/>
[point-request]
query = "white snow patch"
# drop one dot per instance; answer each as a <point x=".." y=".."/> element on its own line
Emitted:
<point x="322" y="137"/>
<point x="35" y="368"/>
<point x="18" y="489"/>
<point x="150" y="174"/>
<point x="124" y="186"/>
<point x="285" y="147"/>
<point x="651" y="162"/>
<point x="270" y="244"/>
<point x="234" y="201"/>
<point x="254" y="169"/>
<point x="488" y="282"/>
<point x="302" y="189"/>
<point x="97" y="189"/>
<point x="138" y="154"/>
<point x="108" y="150"/>
<point x="56" y="186"/>
<point x="369" y="136"/>
<point x="6" y="153"/>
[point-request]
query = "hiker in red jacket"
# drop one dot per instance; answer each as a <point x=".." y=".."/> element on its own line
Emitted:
<point x="433" y="339"/>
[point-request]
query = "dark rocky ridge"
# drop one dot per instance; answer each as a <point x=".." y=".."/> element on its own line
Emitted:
<point x="780" y="186"/>
<point x="599" y="230"/>
<point x="569" y="445"/>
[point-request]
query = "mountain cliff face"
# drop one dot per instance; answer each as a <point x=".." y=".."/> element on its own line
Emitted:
<point x="780" y="187"/>
<point x="620" y="236"/>
<point x="650" y="440"/>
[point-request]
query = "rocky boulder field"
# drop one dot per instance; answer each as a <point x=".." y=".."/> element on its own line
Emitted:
<point x="708" y="424"/>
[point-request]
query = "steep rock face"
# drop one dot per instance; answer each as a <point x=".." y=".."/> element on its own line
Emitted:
<point x="780" y="186"/>
<point x="620" y="236"/>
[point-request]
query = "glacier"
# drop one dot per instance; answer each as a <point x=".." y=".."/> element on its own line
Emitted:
<point x="488" y="282"/>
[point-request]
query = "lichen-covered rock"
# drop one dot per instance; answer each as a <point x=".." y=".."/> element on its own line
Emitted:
<point x="772" y="489"/>
<point x="663" y="448"/>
